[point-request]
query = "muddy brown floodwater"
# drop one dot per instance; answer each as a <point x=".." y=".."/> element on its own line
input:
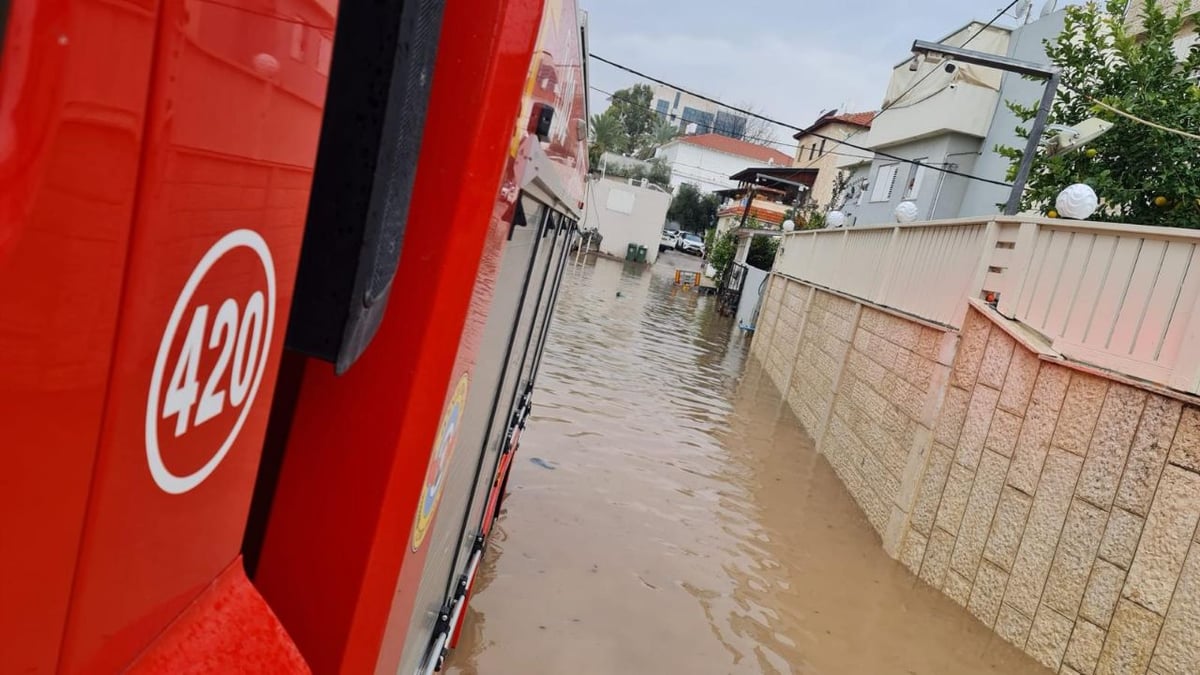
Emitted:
<point x="667" y="514"/>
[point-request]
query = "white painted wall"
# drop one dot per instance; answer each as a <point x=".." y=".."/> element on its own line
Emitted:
<point x="743" y="248"/>
<point x="626" y="214"/>
<point x="932" y="101"/>
<point x="962" y="108"/>
<point x="707" y="169"/>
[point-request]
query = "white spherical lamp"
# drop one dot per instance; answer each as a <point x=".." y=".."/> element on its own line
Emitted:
<point x="835" y="219"/>
<point x="1078" y="202"/>
<point x="789" y="225"/>
<point x="906" y="212"/>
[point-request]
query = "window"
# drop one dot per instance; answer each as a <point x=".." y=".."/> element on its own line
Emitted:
<point x="702" y="120"/>
<point x="885" y="181"/>
<point x="728" y="124"/>
<point x="661" y="106"/>
<point x="821" y="152"/>
<point x="676" y="101"/>
<point x="915" y="177"/>
<point x="812" y="151"/>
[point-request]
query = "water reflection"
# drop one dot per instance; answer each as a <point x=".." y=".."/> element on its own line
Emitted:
<point x="687" y="526"/>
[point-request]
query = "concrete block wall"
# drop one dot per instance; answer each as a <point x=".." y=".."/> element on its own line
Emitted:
<point x="768" y="314"/>
<point x="784" y="312"/>
<point x="1059" y="505"/>
<point x="880" y="429"/>
<point x="867" y="384"/>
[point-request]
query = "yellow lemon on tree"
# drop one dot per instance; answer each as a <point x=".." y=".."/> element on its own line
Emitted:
<point x="1052" y="213"/>
<point x="1160" y="201"/>
<point x="1091" y="152"/>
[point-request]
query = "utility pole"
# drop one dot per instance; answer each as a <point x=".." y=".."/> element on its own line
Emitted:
<point x="1048" y="73"/>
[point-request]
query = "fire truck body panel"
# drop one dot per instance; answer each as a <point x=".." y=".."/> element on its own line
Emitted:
<point x="67" y="176"/>
<point x="233" y="119"/>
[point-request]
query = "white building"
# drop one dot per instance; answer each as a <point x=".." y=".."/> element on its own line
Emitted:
<point x="938" y="115"/>
<point x="624" y="213"/>
<point x="683" y="109"/>
<point x="708" y="160"/>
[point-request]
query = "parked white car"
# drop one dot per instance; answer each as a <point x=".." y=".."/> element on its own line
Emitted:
<point x="669" y="240"/>
<point x="691" y="243"/>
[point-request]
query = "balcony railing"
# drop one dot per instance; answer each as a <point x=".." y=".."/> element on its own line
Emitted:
<point x="1121" y="297"/>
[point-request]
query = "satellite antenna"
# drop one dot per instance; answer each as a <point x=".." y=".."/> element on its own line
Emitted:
<point x="1022" y="10"/>
<point x="1049" y="8"/>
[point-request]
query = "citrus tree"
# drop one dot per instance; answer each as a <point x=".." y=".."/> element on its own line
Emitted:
<point x="1142" y="174"/>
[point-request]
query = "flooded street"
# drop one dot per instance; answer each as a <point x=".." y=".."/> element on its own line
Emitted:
<point x="668" y="515"/>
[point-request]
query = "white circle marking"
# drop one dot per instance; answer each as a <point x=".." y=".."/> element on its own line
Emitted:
<point x="166" y="480"/>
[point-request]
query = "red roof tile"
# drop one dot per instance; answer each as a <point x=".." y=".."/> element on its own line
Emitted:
<point x="733" y="146"/>
<point x="858" y="119"/>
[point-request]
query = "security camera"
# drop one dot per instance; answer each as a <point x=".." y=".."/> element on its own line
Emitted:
<point x="950" y="68"/>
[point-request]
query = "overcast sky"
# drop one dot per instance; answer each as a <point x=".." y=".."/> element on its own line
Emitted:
<point x="790" y="59"/>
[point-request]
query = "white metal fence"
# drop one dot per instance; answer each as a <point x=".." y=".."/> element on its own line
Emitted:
<point x="928" y="269"/>
<point x="1121" y="297"/>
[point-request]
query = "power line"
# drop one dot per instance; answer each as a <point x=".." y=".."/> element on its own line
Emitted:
<point x="895" y="102"/>
<point x="968" y="41"/>
<point x="1130" y="116"/>
<point x="786" y="125"/>
<point x="822" y="153"/>
<point x="710" y="127"/>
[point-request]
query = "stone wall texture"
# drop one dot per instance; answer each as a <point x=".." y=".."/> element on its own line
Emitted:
<point x="1057" y="505"/>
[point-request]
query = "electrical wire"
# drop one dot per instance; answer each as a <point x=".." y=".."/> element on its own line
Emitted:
<point x="794" y="146"/>
<point x="615" y="97"/>
<point x="786" y="125"/>
<point x="840" y="142"/>
<point x="710" y="127"/>
<point x="906" y="92"/>
<point x="1130" y="116"/>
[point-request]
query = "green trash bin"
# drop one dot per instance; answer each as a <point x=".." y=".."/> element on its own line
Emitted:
<point x="641" y="254"/>
<point x="631" y="252"/>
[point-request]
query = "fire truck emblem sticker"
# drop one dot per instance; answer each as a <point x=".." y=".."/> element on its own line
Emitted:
<point x="435" y="475"/>
<point x="240" y="334"/>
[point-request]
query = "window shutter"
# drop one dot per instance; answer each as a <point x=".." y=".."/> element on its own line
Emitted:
<point x="885" y="182"/>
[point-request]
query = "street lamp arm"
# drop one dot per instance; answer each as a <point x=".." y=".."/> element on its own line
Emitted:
<point x="1048" y="73"/>
<point x="984" y="59"/>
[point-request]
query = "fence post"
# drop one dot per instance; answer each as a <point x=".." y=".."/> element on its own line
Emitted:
<point x="1018" y="271"/>
<point x="990" y="234"/>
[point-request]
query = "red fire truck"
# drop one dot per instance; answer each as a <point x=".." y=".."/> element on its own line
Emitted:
<point x="275" y="279"/>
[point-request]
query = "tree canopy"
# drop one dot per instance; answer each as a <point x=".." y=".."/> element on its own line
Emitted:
<point x="1142" y="175"/>
<point x="692" y="209"/>
<point x="633" y="108"/>
<point x="630" y="126"/>
<point x="762" y="252"/>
